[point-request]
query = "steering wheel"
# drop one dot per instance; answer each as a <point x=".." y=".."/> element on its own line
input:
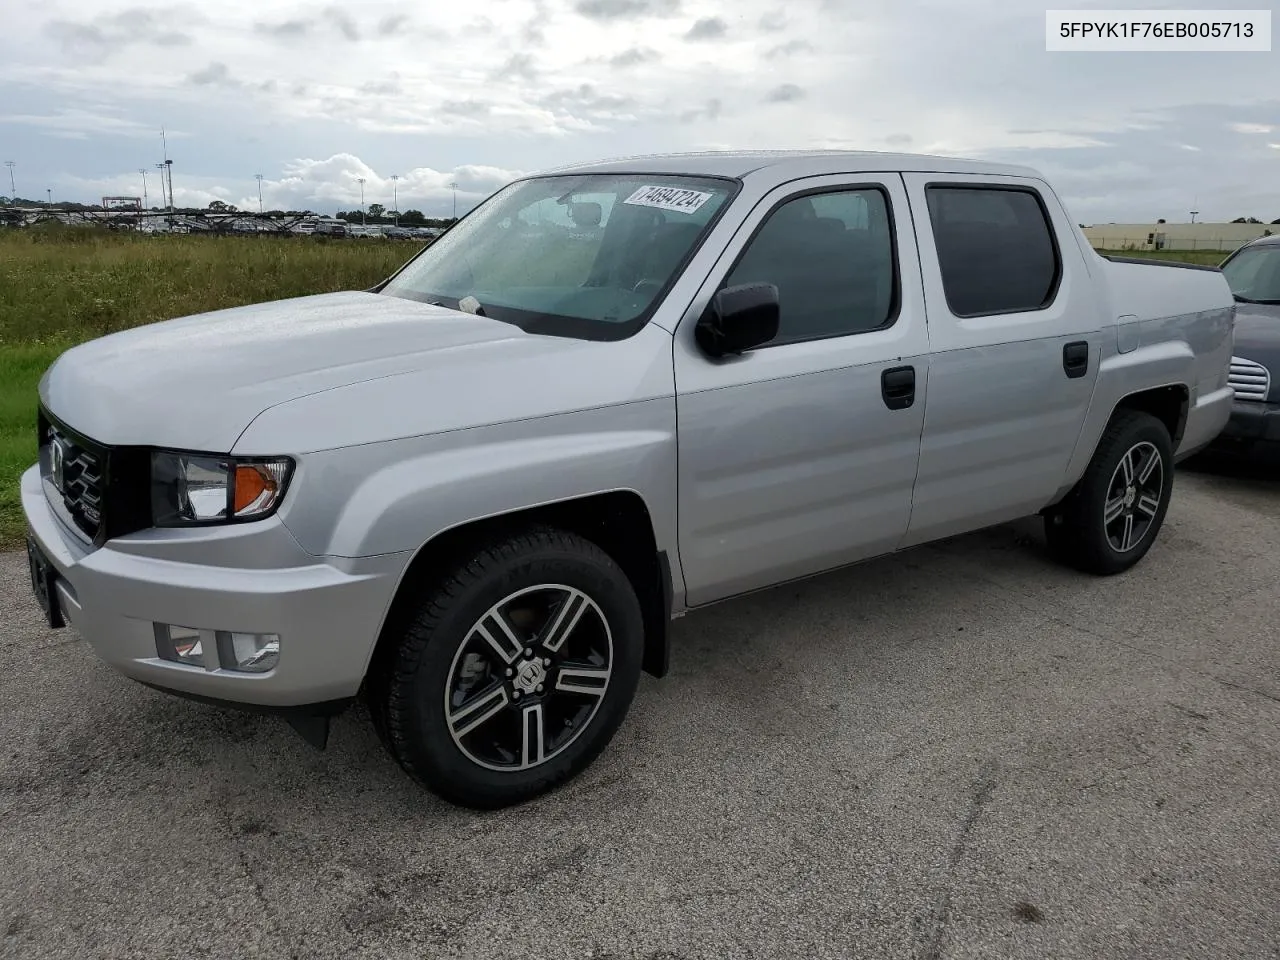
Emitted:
<point x="641" y="286"/>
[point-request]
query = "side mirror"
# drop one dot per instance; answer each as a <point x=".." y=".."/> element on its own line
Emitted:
<point x="738" y="318"/>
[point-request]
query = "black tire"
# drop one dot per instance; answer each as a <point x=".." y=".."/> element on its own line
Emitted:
<point x="438" y="651"/>
<point x="1078" y="530"/>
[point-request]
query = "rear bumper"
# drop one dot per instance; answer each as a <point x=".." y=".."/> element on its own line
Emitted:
<point x="249" y="578"/>
<point x="1252" y="421"/>
<point x="1205" y="421"/>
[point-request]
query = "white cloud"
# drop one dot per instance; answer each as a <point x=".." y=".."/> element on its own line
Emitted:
<point x="524" y="84"/>
<point x="334" y="184"/>
<point x="187" y="191"/>
<point x="320" y="185"/>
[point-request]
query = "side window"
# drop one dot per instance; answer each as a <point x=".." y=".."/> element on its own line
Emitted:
<point x="996" y="249"/>
<point x="849" y="208"/>
<point x="831" y="257"/>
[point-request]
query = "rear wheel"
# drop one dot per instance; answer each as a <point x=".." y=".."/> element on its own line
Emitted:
<point x="512" y="674"/>
<point x="1112" y="517"/>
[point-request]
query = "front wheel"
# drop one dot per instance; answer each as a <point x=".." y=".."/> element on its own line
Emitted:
<point x="1111" y="518"/>
<point x="513" y="673"/>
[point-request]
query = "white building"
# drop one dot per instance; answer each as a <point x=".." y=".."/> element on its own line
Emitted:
<point x="1176" y="236"/>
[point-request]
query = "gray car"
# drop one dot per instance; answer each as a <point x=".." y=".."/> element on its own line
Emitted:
<point x="478" y="493"/>
<point x="1253" y="273"/>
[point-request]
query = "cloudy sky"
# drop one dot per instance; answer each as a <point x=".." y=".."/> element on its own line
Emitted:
<point x="314" y="96"/>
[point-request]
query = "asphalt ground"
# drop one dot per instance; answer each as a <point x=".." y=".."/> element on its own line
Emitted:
<point x="960" y="751"/>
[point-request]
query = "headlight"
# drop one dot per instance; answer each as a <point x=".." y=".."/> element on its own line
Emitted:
<point x="192" y="489"/>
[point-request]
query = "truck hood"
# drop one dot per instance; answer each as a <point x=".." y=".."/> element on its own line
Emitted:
<point x="197" y="382"/>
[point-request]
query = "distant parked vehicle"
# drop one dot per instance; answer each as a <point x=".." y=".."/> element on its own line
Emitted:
<point x="331" y="227"/>
<point x="1253" y="273"/>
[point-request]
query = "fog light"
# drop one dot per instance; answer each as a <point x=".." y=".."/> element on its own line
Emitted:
<point x="248" y="652"/>
<point x="179" y="644"/>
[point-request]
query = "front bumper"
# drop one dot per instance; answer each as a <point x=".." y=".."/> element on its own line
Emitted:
<point x="1252" y="421"/>
<point x="247" y="578"/>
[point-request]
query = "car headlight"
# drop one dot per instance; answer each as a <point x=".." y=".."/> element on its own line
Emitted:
<point x="201" y="489"/>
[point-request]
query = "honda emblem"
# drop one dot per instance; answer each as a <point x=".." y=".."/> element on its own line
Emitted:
<point x="57" y="465"/>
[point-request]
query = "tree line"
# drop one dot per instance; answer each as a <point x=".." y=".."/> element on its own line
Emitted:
<point x="377" y="213"/>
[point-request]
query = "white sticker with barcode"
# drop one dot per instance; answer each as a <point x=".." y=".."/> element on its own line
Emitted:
<point x="669" y="198"/>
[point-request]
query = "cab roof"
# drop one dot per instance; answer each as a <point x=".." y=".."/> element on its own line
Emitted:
<point x="785" y="164"/>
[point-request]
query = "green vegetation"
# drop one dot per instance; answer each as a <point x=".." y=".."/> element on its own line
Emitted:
<point x="20" y="368"/>
<point x="61" y="286"/>
<point x="75" y="284"/>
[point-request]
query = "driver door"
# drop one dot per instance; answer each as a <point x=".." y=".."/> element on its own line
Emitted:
<point x="800" y="455"/>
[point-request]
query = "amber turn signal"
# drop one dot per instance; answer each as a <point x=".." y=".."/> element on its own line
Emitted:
<point x="255" y="486"/>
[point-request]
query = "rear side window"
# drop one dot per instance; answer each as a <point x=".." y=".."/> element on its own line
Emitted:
<point x="996" y="249"/>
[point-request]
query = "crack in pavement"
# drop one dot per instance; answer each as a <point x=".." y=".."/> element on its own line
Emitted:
<point x="980" y="797"/>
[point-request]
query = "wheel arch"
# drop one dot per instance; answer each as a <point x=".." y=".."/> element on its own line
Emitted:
<point x="617" y="521"/>
<point x="1168" y="402"/>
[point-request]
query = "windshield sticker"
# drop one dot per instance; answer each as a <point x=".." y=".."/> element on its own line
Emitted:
<point x="669" y="198"/>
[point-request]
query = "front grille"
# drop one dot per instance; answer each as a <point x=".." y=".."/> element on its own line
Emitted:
<point x="76" y="469"/>
<point x="1251" y="381"/>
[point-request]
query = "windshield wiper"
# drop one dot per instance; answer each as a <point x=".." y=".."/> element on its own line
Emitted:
<point x="1240" y="298"/>
<point x="468" y="304"/>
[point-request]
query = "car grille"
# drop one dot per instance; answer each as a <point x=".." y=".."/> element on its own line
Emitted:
<point x="1251" y="381"/>
<point x="77" y="472"/>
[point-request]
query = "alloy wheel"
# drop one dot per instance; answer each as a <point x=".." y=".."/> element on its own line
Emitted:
<point x="1133" y="497"/>
<point x="529" y="677"/>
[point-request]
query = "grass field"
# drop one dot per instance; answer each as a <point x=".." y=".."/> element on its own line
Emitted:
<point x="60" y="287"/>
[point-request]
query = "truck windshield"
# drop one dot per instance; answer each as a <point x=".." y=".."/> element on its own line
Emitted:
<point x="586" y="256"/>
<point x="1254" y="274"/>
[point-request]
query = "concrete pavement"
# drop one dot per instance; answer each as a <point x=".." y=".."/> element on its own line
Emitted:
<point x="963" y="751"/>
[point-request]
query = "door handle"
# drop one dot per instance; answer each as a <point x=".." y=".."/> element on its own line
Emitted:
<point x="898" y="387"/>
<point x="1075" y="359"/>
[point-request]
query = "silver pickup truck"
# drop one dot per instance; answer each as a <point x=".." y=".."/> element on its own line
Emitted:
<point x="477" y="494"/>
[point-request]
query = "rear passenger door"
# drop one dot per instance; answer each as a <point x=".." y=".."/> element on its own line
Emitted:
<point x="1015" y="343"/>
<point x="800" y="455"/>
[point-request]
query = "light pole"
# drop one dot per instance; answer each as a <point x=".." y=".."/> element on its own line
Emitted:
<point x="49" y="191"/>
<point x="160" y="167"/>
<point x="145" y="201"/>
<point x="167" y="170"/>
<point x="13" y="191"/>
<point x="258" y="177"/>
<point x="360" y="180"/>
<point x="1193" y="215"/>
<point x="454" y="187"/>
<point x="395" y="197"/>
